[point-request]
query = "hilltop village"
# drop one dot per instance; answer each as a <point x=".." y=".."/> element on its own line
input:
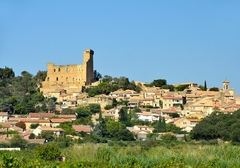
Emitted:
<point x="84" y="101"/>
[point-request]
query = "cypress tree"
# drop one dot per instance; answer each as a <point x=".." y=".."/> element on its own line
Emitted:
<point x="205" y="85"/>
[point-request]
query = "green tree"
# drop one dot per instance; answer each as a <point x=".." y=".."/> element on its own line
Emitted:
<point x="205" y="85"/>
<point x="83" y="111"/>
<point x="123" y="83"/>
<point x="67" y="127"/>
<point x="214" y="89"/>
<point x="38" y="97"/>
<point x="41" y="76"/>
<point x="108" y="107"/>
<point x="173" y="128"/>
<point x="94" y="108"/>
<point x="51" y="106"/>
<point x="107" y="78"/>
<point x="32" y="136"/>
<point x="67" y="111"/>
<point x="93" y="91"/>
<point x="18" y="141"/>
<point x="170" y="87"/>
<point x="181" y="87"/>
<point x="48" y="135"/>
<point x="96" y="76"/>
<point x="123" y="115"/>
<point x="160" y="126"/>
<point x="6" y="73"/>
<point x="34" y="126"/>
<point x="48" y="151"/>
<point x="159" y="82"/>
<point x="168" y="137"/>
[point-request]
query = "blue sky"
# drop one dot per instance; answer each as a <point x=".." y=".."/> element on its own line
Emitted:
<point x="180" y="41"/>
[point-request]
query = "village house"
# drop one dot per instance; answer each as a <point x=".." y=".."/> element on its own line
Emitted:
<point x="56" y="131"/>
<point x="87" y="129"/>
<point x="67" y="116"/>
<point x="145" y="116"/>
<point x="44" y="116"/>
<point x="54" y="122"/>
<point x="186" y="124"/>
<point x="3" y="116"/>
<point x="170" y="101"/>
<point x="156" y="113"/>
<point x="140" y="131"/>
<point x="28" y="122"/>
<point x="133" y="102"/>
<point x="102" y="100"/>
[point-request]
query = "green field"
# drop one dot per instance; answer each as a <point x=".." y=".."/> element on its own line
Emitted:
<point x="134" y="155"/>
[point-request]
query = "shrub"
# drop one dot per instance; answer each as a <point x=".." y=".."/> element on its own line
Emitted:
<point x="121" y="143"/>
<point x="204" y="142"/>
<point x="104" y="154"/>
<point x="34" y="126"/>
<point x="149" y="143"/>
<point x="110" y="143"/>
<point x="48" y="151"/>
<point x="168" y="137"/>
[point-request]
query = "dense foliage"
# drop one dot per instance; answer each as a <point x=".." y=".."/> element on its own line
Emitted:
<point x="162" y="154"/>
<point x="109" y="84"/>
<point x="218" y="125"/>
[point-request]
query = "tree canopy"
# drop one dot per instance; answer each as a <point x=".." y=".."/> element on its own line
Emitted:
<point x="218" y="125"/>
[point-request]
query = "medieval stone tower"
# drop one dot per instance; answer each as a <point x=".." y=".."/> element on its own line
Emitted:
<point x="72" y="77"/>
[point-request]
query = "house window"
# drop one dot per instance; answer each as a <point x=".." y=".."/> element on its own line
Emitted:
<point x="54" y="70"/>
<point x="66" y="78"/>
<point x="67" y="69"/>
<point x="58" y="69"/>
<point x="56" y="78"/>
<point x="185" y="123"/>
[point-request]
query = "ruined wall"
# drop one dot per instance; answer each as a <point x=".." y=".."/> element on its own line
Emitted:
<point x="75" y="76"/>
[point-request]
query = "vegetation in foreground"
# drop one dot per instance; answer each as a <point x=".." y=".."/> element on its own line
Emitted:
<point x="159" y="154"/>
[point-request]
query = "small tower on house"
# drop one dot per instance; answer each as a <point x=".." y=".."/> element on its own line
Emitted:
<point x="226" y="85"/>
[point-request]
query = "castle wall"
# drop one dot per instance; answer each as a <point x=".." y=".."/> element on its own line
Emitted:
<point x="70" y="77"/>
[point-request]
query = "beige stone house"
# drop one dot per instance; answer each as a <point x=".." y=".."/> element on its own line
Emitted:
<point x="82" y="128"/>
<point x="140" y="131"/>
<point x="54" y="122"/>
<point x="186" y="123"/>
<point x="40" y="115"/>
<point x="3" y="116"/>
<point x="29" y="122"/>
<point x="169" y="101"/>
<point x="56" y="131"/>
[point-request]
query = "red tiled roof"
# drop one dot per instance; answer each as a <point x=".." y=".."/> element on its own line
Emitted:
<point x="170" y="97"/>
<point x="47" y="128"/>
<point x="40" y="141"/>
<point x="5" y="124"/>
<point x="60" y="120"/>
<point x="41" y="115"/>
<point x="3" y="113"/>
<point x="84" y="128"/>
<point x="170" y="110"/>
<point x="28" y="120"/>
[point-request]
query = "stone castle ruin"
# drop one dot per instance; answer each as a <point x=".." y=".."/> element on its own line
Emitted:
<point x="72" y="78"/>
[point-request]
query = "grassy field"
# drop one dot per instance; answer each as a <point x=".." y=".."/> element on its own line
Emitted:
<point x="102" y="155"/>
